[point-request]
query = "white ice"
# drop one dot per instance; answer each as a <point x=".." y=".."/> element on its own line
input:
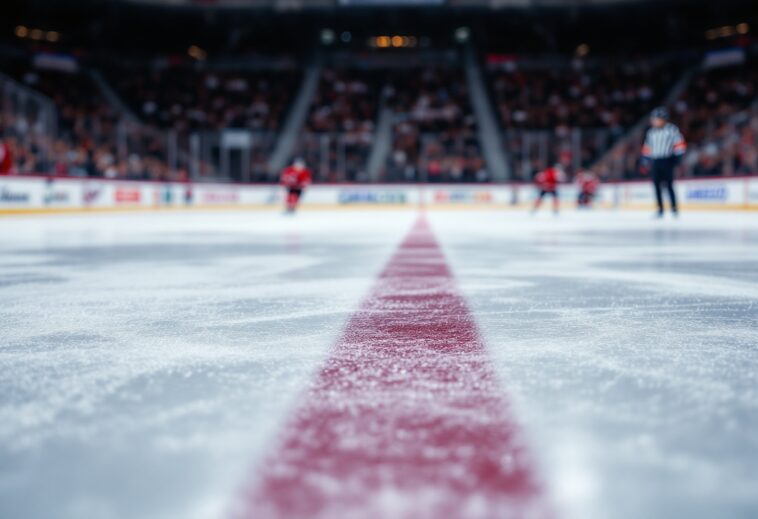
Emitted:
<point x="147" y="360"/>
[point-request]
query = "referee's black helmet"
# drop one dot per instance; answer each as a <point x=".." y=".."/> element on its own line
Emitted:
<point x="660" y="113"/>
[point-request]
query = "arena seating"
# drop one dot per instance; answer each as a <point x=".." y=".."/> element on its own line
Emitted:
<point x="576" y="115"/>
<point x="185" y="98"/>
<point x="718" y="115"/>
<point x="571" y="111"/>
<point x="90" y="139"/>
<point x="434" y="135"/>
<point x="337" y="137"/>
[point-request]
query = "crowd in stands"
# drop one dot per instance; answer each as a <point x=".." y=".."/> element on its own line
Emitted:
<point x="532" y="151"/>
<point x="718" y="116"/>
<point x="568" y="115"/>
<point x="183" y="99"/>
<point x="63" y="158"/>
<point x="580" y="95"/>
<point x="93" y="139"/>
<point x="572" y="112"/>
<point x="435" y="131"/>
<point x="186" y="99"/>
<point x="339" y="131"/>
<point x="88" y="136"/>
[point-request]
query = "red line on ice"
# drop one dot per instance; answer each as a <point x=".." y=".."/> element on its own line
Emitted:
<point x="406" y="419"/>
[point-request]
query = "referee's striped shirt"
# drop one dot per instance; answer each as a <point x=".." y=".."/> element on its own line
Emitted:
<point x="664" y="142"/>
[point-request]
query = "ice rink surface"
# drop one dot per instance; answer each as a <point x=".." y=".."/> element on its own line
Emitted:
<point x="149" y="360"/>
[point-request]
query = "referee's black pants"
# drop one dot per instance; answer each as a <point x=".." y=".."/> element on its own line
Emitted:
<point x="663" y="178"/>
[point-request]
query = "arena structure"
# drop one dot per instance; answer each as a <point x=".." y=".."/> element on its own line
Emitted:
<point x="481" y="93"/>
<point x="194" y="325"/>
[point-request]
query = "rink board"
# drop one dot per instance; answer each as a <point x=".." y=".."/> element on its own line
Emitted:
<point x="19" y="194"/>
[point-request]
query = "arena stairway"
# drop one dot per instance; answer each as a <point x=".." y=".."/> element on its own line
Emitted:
<point x="489" y="134"/>
<point x="297" y="116"/>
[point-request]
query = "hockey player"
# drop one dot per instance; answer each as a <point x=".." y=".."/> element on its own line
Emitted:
<point x="6" y="157"/>
<point x="547" y="182"/>
<point x="295" y="179"/>
<point x="587" y="184"/>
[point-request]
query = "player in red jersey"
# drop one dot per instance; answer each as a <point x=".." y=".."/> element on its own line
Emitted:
<point x="587" y="185"/>
<point x="295" y="179"/>
<point x="6" y="157"/>
<point x="547" y="181"/>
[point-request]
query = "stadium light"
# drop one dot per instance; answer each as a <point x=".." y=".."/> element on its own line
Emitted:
<point x="462" y="34"/>
<point x="582" y="50"/>
<point x="726" y="31"/>
<point x="396" y="41"/>
<point x="327" y="36"/>
<point x="197" y="53"/>
<point x="22" y="31"/>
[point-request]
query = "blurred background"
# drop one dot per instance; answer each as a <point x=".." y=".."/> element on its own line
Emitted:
<point x="373" y="90"/>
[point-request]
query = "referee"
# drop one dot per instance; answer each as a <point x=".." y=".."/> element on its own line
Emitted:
<point x="663" y="149"/>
